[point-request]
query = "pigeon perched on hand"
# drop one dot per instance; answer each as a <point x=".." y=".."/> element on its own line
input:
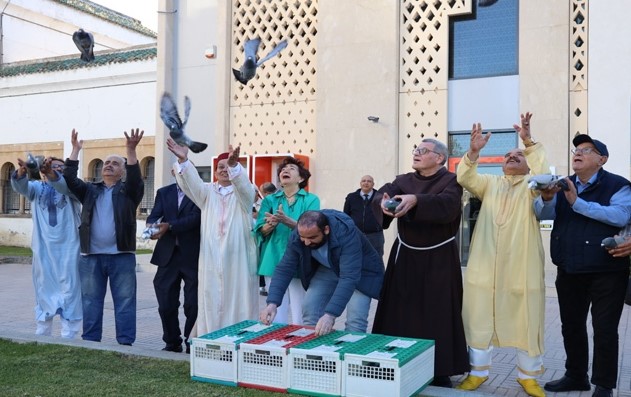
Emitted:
<point x="546" y="181"/>
<point x="248" y="70"/>
<point x="85" y="44"/>
<point x="171" y="118"/>
<point x="33" y="164"/>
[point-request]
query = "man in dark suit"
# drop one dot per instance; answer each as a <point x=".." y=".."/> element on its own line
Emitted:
<point x="176" y="254"/>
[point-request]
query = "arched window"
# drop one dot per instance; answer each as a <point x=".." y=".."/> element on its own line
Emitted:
<point x="10" y="198"/>
<point x="96" y="171"/>
<point x="148" y="170"/>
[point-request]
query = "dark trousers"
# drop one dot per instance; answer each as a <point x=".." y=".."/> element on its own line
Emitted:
<point x="605" y="293"/>
<point x="377" y="240"/>
<point x="167" y="283"/>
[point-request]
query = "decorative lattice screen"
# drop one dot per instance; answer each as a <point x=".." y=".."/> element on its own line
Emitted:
<point x="275" y="111"/>
<point x="578" y="67"/>
<point x="424" y="71"/>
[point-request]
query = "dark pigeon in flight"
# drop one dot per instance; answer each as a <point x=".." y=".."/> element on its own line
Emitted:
<point x="486" y="3"/>
<point x="33" y="164"/>
<point x="85" y="44"/>
<point x="248" y="70"/>
<point x="171" y="118"/>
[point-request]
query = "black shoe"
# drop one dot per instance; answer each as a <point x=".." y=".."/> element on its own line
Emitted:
<point x="125" y="344"/>
<point x="442" y="381"/>
<point x="188" y="348"/>
<point x="600" y="391"/>
<point x="568" y="384"/>
<point x="173" y="348"/>
<point x="262" y="291"/>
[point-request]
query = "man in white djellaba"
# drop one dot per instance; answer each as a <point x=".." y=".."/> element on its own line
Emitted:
<point x="228" y="284"/>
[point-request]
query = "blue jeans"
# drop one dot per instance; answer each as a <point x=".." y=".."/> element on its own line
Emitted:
<point x="319" y="293"/>
<point x="94" y="271"/>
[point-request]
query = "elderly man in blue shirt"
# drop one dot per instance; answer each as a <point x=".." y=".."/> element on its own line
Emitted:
<point x="596" y="205"/>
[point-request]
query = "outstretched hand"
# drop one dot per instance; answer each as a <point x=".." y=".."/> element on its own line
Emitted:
<point x="233" y="155"/>
<point x="133" y="138"/>
<point x="47" y="169"/>
<point x="478" y="139"/>
<point x="21" y="171"/>
<point x="524" y="129"/>
<point x="181" y="152"/>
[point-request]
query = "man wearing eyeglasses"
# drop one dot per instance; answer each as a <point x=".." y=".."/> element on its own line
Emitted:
<point x="421" y="295"/>
<point x="597" y="205"/>
<point x="55" y="244"/>
<point x="504" y="288"/>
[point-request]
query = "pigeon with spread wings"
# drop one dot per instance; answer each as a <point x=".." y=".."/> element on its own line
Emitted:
<point x="248" y="70"/>
<point x="171" y="118"/>
<point x="85" y="43"/>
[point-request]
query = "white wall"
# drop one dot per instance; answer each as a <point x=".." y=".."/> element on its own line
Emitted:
<point x="35" y="29"/>
<point x="16" y="231"/>
<point x="609" y="90"/>
<point x="99" y="102"/>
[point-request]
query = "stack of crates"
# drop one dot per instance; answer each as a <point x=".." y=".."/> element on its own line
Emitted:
<point x="315" y="367"/>
<point x="388" y="366"/>
<point x="214" y="355"/>
<point x="263" y="361"/>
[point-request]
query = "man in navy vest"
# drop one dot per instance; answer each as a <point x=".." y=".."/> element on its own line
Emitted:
<point x="596" y="205"/>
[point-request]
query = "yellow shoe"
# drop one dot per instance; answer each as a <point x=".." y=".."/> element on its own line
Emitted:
<point x="531" y="387"/>
<point x="472" y="382"/>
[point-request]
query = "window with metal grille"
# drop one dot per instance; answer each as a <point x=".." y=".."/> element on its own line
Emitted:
<point x="485" y="42"/>
<point x="146" y="205"/>
<point x="11" y="199"/>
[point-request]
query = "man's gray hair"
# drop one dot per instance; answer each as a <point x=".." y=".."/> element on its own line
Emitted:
<point x="439" y="148"/>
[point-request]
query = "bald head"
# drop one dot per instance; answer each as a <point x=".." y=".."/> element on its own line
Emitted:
<point x="366" y="184"/>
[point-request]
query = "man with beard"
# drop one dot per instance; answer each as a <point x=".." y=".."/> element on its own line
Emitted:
<point x="504" y="289"/>
<point x="338" y="267"/>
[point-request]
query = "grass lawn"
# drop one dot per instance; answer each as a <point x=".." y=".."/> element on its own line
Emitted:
<point x="42" y="370"/>
<point x="7" y="250"/>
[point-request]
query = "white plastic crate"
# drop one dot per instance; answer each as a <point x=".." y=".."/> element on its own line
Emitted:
<point x="263" y="361"/>
<point x="214" y="355"/>
<point x="315" y="367"/>
<point x="392" y="366"/>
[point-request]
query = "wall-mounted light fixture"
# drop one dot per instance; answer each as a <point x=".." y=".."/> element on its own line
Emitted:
<point x="211" y="52"/>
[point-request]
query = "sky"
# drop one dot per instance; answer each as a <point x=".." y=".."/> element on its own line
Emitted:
<point x="144" y="10"/>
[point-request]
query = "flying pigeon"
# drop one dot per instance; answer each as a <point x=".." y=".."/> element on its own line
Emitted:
<point x="486" y="3"/>
<point x="33" y="164"/>
<point x="85" y="44"/>
<point x="248" y="70"/>
<point x="546" y="181"/>
<point x="171" y="118"/>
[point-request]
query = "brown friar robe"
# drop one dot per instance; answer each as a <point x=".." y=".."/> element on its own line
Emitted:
<point x="422" y="292"/>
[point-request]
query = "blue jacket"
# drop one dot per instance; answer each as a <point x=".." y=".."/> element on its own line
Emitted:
<point x="352" y="258"/>
<point x="125" y="198"/>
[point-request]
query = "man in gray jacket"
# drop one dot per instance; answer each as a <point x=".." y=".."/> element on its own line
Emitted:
<point x="338" y="268"/>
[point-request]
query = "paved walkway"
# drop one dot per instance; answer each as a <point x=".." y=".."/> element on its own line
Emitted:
<point x="16" y="323"/>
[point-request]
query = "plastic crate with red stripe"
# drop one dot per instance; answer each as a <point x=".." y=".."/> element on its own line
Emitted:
<point x="263" y="361"/>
